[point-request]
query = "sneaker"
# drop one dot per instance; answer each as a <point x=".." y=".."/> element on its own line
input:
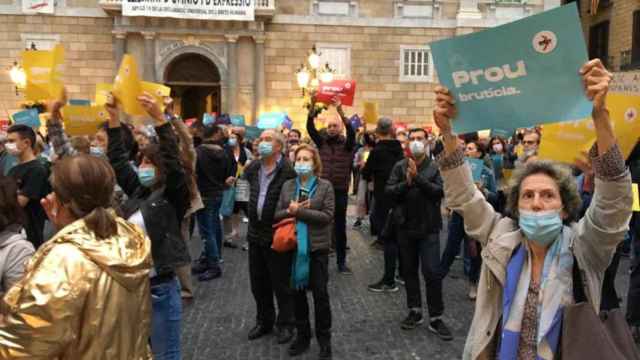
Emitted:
<point x="439" y="328"/>
<point x="412" y="321"/>
<point x="473" y="291"/>
<point x="299" y="346"/>
<point x="229" y="244"/>
<point x="325" y="352"/>
<point x="400" y="280"/>
<point x="199" y="266"/>
<point x="245" y="247"/>
<point x="213" y="272"/>
<point x="245" y="219"/>
<point x="381" y="287"/>
<point x="344" y="270"/>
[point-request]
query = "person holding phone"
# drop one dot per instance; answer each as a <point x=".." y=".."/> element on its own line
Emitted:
<point x="310" y="200"/>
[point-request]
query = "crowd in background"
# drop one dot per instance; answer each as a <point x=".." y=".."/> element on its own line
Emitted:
<point x="107" y="221"/>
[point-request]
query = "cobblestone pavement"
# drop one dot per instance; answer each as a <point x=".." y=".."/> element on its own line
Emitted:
<point x="365" y="324"/>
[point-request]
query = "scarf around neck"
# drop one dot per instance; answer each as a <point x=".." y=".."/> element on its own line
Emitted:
<point x="555" y="293"/>
<point x="300" y="271"/>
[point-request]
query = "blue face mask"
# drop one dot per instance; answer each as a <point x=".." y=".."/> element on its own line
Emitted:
<point x="233" y="142"/>
<point x="541" y="227"/>
<point x="147" y="176"/>
<point x="96" y="151"/>
<point x="265" y="148"/>
<point x="303" y="169"/>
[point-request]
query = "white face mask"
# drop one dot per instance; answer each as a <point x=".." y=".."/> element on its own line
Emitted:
<point x="417" y="148"/>
<point x="497" y="147"/>
<point x="12" y="149"/>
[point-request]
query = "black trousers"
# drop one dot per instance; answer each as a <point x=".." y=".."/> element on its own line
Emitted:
<point x="318" y="279"/>
<point x="270" y="273"/>
<point x="390" y="242"/>
<point x="340" y="225"/>
<point x="422" y="252"/>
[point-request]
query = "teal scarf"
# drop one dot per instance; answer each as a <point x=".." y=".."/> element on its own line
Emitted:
<point x="300" y="271"/>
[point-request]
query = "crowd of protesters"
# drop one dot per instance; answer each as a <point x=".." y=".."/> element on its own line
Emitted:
<point x="123" y="205"/>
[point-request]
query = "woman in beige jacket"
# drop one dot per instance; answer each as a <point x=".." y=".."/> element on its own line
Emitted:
<point x="528" y="257"/>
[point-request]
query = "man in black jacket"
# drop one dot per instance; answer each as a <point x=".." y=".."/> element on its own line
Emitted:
<point x="213" y="173"/>
<point x="387" y="152"/>
<point x="269" y="271"/>
<point x="416" y="188"/>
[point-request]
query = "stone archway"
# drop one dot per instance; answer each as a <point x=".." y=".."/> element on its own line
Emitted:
<point x="175" y="50"/>
<point x="195" y="83"/>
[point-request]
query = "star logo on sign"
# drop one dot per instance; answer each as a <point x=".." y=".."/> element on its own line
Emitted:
<point x="631" y="114"/>
<point x="545" y="42"/>
<point x="347" y="86"/>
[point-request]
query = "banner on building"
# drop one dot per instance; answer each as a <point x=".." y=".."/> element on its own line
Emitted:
<point x="38" y="6"/>
<point x="533" y="80"/>
<point x="242" y="10"/>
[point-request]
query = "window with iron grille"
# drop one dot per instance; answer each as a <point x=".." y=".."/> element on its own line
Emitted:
<point x="416" y="64"/>
<point x="599" y="42"/>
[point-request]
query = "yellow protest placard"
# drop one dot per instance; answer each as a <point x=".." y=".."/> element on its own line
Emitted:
<point x="565" y="141"/>
<point x="102" y="93"/>
<point x="636" y="197"/>
<point x="127" y="86"/>
<point x="158" y="91"/>
<point x="43" y="70"/>
<point x="370" y="113"/>
<point x="57" y="86"/>
<point x="83" y="120"/>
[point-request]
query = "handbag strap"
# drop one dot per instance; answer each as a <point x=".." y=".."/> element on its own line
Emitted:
<point x="579" y="294"/>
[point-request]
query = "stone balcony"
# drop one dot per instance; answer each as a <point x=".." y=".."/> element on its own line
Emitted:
<point x="264" y="8"/>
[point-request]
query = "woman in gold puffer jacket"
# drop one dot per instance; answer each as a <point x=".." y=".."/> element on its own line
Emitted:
<point x="85" y="294"/>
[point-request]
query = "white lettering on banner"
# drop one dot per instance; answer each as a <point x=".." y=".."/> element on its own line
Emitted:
<point x="489" y="93"/>
<point x="492" y="74"/>
<point x="243" y="10"/>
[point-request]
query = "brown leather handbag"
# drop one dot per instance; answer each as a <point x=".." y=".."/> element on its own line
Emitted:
<point x="587" y="335"/>
<point x="284" y="238"/>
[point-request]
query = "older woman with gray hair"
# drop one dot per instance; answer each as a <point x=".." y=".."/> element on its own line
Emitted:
<point x="528" y="257"/>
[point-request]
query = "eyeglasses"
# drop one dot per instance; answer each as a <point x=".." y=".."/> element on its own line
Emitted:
<point x="529" y="142"/>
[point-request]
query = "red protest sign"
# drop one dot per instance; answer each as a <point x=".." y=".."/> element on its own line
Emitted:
<point x="344" y="89"/>
<point x="4" y="125"/>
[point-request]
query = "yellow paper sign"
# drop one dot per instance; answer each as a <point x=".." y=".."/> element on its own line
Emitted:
<point x="43" y="70"/>
<point x="102" y="93"/>
<point x="564" y="141"/>
<point x="83" y="120"/>
<point x="370" y="113"/>
<point x="158" y="91"/>
<point x="636" y="197"/>
<point x="127" y="86"/>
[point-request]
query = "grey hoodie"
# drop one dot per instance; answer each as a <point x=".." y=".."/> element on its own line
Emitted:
<point x="15" y="251"/>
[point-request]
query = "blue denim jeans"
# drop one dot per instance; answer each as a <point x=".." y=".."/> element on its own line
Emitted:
<point x="165" y="320"/>
<point x="210" y="228"/>
<point x="456" y="238"/>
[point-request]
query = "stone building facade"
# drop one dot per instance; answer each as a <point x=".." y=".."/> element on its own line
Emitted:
<point x="613" y="32"/>
<point x="249" y="67"/>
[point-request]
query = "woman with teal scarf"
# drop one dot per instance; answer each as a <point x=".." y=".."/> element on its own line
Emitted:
<point x="310" y="200"/>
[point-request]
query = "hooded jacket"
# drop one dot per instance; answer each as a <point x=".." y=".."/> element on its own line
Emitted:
<point x="213" y="167"/>
<point x="15" y="251"/>
<point x="82" y="298"/>
<point x="378" y="168"/>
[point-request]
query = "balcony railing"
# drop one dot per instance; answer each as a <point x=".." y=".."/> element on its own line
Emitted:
<point x="263" y="7"/>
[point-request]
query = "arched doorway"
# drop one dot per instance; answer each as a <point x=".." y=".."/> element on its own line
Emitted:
<point x="195" y="85"/>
